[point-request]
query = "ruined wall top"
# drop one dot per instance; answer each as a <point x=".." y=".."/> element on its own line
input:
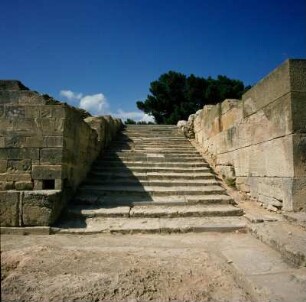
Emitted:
<point x="12" y="85"/>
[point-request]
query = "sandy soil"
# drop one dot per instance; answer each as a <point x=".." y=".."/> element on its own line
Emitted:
<point x="116" y="268"/>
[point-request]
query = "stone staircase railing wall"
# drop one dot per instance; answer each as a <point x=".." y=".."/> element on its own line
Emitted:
<point x="260" y="141"/>
<point x="46" y="150"/>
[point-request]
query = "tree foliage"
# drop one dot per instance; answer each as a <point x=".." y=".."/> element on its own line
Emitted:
<point x="174" y="96"/>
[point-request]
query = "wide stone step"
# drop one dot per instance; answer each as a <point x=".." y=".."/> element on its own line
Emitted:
<point x="152" y="190"/>
<point x="112" y="175"/>
<point x="153" y="157"/>
<point x="145" y="199"/>
<point x="185" y="211"/>
<point x="98" y="225"/>
<point x="148" y="169"/>
<point x="148" y="163"/>
<point x="136" y="182"/>
<point x="131" y="153"/>
<point x="157" y="211"/>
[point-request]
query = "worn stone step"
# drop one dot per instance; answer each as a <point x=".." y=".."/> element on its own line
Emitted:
<point x="98" y="225"/>
<point x="145" y="199"/>
<point x="132" y="153"/>
<point x="112" y="175"/>
<point x="289" y="240"/>
<point x="151" y="190"/>
<point x="132" y="181"/>
<point x="153" y="157"/>
<point x="148" y="169"/>
<point x="148" y="141"/>
<point x="156" y="211"/>
<point x="148" y="163"/>
<point x="185" y="211"/>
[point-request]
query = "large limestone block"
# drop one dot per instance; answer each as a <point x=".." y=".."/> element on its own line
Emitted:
<point x="51" y="126"/>
<point x="211" y="119"/>
<point x="51" y="156"/>
<point x="299" y="154"/>
<point x="270" y="88"/>
<point x="41" y="207"/>
<point x="9" y="208"/>
<point x="231" y="113"/>
<point x="13" y="177"/>
<point x="53" y="111"/>
<point x="298" y="106"/>
<point x="298" y="194"/>
<point x="13" y="111"/>
<point x="98" y="124"/>
<point x="270" y="122"/>
<point x="21" y="97"/>
<point x="47" y="172"/>
<point x="297" y="74"/>
<point x="278" y="157"/>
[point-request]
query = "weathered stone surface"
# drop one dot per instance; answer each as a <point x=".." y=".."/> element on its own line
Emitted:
<point x="6" y="185"/>
<point x="51" y="156"/>
<point x="12" y="85"/>
<point x="9" y="208"/>
<point x="47" y="172"/>
<point x="262" y="136"/>
<point x="15" y="177"/>
<point x="22" y="185"/>
<point x="45" y="143"/>
<point x="3" y="166"/>
<point x="19" y="165"/>
<point x="41" y="207"/>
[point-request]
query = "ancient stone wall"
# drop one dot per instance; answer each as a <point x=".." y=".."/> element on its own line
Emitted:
<point x="46" y="150"/>
<point x="260" y="141"/>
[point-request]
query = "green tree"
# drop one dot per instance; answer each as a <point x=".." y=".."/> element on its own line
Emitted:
<point x="174" y="96"/>
<point x="130" y="122"/>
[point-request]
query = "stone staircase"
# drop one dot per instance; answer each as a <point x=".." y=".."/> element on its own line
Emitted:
<point x="151" y="180"/>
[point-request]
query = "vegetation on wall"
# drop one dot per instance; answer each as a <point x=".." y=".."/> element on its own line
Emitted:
<point x="174" y="96"/>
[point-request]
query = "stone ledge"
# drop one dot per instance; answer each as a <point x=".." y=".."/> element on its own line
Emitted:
<point x="40" y="230"/>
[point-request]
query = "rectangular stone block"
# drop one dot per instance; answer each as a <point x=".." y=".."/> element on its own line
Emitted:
<point x="51" y="156"/>
<point x="53" y="111"/>
<point x="8" y="177"/>
<point x="14" y="141"/>
<point x="1" y="111"/>
<point x="53" y="141"/>
<point x="6" y="126"/>
<point x="17" y="166"/>
<point x="25" y="125"/>
<point x="2" y="143"/>
<point x="272" y="121"/>
<point x="47" y="172"/>
<point x="232" y="117"/>
<point x="298" y="107"/>
<point x="270" y="88"/>
<point x="32" y="111"/>
<point x="41" y="208"/>
<point x="35" y="141"/>
<point x="299" y="194"/>
<point x="24" y="185"/>
<point x="9" y="208"/>
<point x="14" y="111"/>
<point x="51" y="126"/>
<point x="19" y="153"/>
<point x="297" y="74"/>
<point x="3" y="166"/>
<point x="299" y="154"/>
<point x="7" y="185"/>
<point x="211" y="121"/>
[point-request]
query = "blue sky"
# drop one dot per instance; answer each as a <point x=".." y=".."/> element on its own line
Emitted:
<point x="103" y="54"/>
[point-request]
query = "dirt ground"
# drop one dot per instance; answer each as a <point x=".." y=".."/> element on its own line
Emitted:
<point x="185" y="267"/>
